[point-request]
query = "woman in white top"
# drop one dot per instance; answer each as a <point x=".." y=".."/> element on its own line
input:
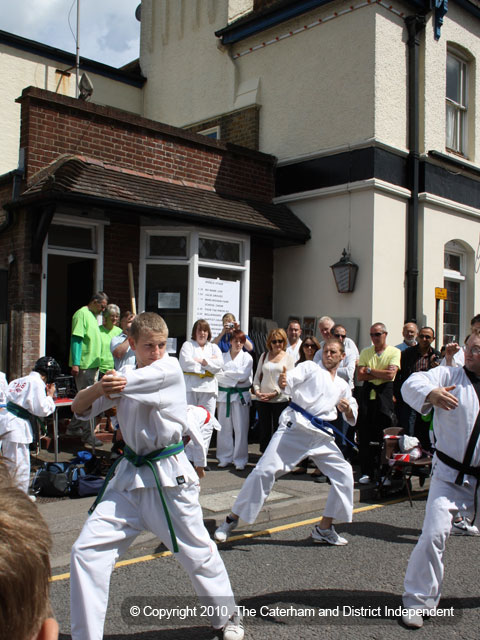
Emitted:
<point x="200" y="361"/>
<point x="233" y="404"/>
<point x="271" y="399"/>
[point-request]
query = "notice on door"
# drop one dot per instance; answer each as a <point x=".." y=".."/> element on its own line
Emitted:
<point x="215" y="298"/>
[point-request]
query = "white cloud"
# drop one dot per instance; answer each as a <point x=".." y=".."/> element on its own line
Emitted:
<point x="109" y="32"/>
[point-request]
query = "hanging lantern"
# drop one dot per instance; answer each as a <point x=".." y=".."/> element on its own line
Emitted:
<point x="345" y="273"/>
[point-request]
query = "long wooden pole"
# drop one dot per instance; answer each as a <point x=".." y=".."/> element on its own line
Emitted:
<point x="133" y="305"/>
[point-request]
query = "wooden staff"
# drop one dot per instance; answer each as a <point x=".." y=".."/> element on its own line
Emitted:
<point x="133" y="304"/>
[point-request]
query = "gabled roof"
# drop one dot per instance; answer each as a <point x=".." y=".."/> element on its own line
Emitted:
<point x="81" y="180"/>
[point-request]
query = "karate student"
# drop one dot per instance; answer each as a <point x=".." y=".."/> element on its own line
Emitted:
<point x="317" y="393"/>
<point x="154" y="487"/>
<point x="27" y="398"/>
<point x="233" y="403"/>
<point x="455" y="393"/>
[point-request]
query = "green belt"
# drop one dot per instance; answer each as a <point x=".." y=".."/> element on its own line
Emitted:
<point x="139" y="461"/>
<point x="230" y="391"/>
<point x="18" y="411"/>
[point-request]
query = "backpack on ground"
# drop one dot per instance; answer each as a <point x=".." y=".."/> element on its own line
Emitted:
<point x="55" y="479"/>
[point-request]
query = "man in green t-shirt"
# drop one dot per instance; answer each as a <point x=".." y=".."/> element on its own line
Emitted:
<point x="377" y="368"/>
<point x="85" y="356"/>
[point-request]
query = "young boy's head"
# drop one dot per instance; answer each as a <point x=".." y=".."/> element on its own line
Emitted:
<point x="25" y="542"/>
<point x="148" y="338"/>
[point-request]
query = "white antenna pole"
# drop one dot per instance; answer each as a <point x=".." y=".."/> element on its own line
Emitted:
<point x="77" y="61"/>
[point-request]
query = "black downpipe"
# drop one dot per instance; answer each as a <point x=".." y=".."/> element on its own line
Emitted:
<point x="415" y="25"/>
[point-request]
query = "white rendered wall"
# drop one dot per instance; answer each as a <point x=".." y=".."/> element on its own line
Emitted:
<point x="461" y="29"/>
<point x="19" y="69"/>
<point x="443" y="221"/>
<point x="189" y="77"/>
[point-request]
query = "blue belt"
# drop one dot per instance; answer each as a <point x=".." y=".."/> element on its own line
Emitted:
<point x="320" y="424"/>
<point x="140" y="461"/>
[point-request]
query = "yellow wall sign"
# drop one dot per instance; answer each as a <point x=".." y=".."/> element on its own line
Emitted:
<point x="440" y="294"/>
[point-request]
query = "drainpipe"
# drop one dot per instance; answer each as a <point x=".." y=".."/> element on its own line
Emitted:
<point x="415" y="26"/>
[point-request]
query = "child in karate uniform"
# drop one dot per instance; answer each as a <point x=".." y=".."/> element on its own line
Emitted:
<point x="27" y="398"/>
<point x="154" y="487"/>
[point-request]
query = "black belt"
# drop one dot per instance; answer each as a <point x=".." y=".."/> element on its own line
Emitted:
<point x="464" y="469"/>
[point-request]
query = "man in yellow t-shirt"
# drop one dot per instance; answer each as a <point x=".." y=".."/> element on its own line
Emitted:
<point x="377" y="368"/>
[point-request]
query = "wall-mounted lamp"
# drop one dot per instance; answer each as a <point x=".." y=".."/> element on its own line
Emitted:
<point x="345" y="273"/>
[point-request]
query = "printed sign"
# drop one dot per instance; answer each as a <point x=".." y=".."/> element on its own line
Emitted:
<point x="215" y="298"/>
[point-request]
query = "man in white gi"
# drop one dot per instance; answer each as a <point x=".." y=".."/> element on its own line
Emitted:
<point x="294" y="331"/>
<point x="454" y="354"/>
<point x="154" y="487"/>
<point x="454" y="392"/>
<point x="316" y="392"/>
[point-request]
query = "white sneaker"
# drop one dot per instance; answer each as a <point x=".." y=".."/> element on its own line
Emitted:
<point x="412" y="619"/>
<point x="385" y="482"/>
<point x="224" y="530"/>
<point x="240" y="467"/>
<point x="233" y="630"/>
<point x="328" y="536"/>
<point x="364" y="480"/>
<point x="464" y="528"/>
<point x="222" y="465"/>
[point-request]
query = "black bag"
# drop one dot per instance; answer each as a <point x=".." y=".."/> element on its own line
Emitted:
<point x="87" y="485"/>
<point x="55" y="479"/>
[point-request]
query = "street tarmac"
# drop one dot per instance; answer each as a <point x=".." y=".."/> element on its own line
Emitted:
<point x="289" y="587"/>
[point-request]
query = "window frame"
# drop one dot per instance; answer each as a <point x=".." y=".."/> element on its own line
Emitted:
<point x="460" y="109"/>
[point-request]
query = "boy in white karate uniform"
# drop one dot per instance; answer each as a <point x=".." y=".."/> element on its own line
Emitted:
<point x="27" y="398"/>
<point x="318" y="392"/>
<point x="154" y="488"/>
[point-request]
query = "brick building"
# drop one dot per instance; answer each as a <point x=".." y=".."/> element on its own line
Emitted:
<point x="102" y="188"/>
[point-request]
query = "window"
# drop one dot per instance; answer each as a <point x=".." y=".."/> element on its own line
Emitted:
<point x="72" y="237"/>
<point x="454" y="283"/>
<point x="213" y="132"/>
<point x="456" y="104"/>
<point x="186" y="274"/>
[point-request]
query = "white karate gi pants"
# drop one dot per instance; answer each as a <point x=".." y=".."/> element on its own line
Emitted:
<point x="288" y="446"/>
<point x="17" y="456"/>
<point x="208" y="401"/>
<point x="424" y="576"/>
<point x="111" y="529"/>
<point x="232" y="440"/>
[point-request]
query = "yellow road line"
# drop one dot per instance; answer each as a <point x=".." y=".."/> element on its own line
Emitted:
<point x="246" y="536"/>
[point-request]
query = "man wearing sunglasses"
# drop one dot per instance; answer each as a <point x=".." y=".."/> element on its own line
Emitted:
<point x="454" y="392"/>
<point x="377" y="368"/>
<point x="421" y="357"/>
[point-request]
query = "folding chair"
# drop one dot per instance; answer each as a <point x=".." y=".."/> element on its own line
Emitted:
<point x="406" y="467"/>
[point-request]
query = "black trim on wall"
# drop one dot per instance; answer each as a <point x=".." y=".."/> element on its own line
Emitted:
<point x="373" y="162"/>
<point x="351" y="166"/>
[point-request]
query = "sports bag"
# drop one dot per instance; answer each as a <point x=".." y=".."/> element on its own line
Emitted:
<point x="55" y="479"/>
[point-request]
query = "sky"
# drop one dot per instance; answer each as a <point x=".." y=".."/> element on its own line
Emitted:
<point x="109" y="31"/>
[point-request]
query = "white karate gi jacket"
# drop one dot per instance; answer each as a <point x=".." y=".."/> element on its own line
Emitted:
<point x="212" y="355"/>
<point x="236" y="373"/>
<point x="29" y="393"/>
<point x="312" y="388"/>
<point x="452" y="428"/>
<point x="153" y="413"/>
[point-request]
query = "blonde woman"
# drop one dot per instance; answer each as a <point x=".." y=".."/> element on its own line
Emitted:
<point x="271" y="400"/>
